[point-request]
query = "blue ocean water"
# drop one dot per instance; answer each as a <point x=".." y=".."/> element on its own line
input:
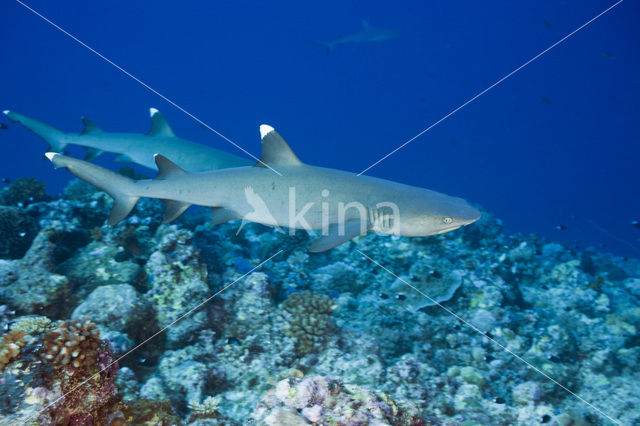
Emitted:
<point x="553" y="146"/>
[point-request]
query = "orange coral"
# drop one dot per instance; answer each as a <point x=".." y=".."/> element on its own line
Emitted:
<point x="10" y="345"/>
<point x="73" y="343"/>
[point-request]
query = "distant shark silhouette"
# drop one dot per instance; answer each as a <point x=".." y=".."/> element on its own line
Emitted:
<point x="134" y="147"/>
<point x="302" y="197"/>
<point x="368" y="34"/>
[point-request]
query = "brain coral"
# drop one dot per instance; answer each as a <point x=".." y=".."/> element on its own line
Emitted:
<point x="306" y="316"/>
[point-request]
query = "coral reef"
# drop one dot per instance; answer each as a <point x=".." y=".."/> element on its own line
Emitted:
<point x="119" y="308"/>
<point x="178" y="282"/>
<point x="207" y="409"/>
<point x="23" y="191"/>
<point x="63" y="376"/>
<point x="17" y="231"/>
<point x="306" y="317"/>
<point x="17" y="277"/>
<point x="10" y="345"/>
<point x="34" y="325"/>
<point x="73" y="344"/>
<point x="326" y="338"/>
<point x="323" y="400"/>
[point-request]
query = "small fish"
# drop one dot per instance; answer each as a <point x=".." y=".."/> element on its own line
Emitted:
<point x="545" y="100"/>
<point x="607" y="54"/>
<point x="3" y="126"/>
<point x="635" y="224"/>
<point x="6" y="181"/>
<point x="546" y="23"/>
<point x="561" y="228"/>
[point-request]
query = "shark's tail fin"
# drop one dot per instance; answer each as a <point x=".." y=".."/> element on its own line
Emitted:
<point x="54" y="137"/>
<point x="121" y="188"/>
<point x="328" y="46"/>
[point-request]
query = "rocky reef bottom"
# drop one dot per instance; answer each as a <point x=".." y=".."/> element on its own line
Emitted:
<point x="145" y="323"/>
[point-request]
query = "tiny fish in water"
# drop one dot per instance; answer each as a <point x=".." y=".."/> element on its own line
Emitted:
<point x="635" y="223"/>
<point x="545" y="100"/>
<point x="546" y="23"/>
<point x="3" y="126"/>
<point x="561" y="228"/>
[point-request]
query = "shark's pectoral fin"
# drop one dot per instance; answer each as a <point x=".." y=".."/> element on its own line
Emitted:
<point x="122" y="206"/>
<point x="336" y="235"/>
<point x="173" y="210"/>
<point x="92" y="153"/>
<point x="221" y="215"/>
<point x="123" y="158"/>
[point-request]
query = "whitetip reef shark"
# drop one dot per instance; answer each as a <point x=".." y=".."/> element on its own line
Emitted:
<point x="367" y="34"/>
<point x="342" y="205"/>
<point x="134" y="147"/>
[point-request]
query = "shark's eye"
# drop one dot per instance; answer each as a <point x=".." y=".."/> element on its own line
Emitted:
<point x="447" y="220"/>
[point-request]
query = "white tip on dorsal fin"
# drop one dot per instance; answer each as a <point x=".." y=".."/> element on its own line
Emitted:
<point x="265" y="129"/>
<point x="166" y="168"/>
<point x="50" y="155"/>
<point x="159" y="125"/>
<point x="89" y="127"/>
<point x="6" y="112"/>
<point x="275" y="149"/>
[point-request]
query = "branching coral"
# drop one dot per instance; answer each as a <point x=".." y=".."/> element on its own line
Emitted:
<point x="10" y="345"/>
<point x="306" y="316"/>
<point x="33" y="325"/>
<point x="74" y="343"/>
<point x="208" y="409"/>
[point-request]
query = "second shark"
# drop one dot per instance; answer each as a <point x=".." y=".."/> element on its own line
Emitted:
<point x="134" y="147"/>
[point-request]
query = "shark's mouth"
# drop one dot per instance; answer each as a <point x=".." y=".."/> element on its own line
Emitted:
<point x="453" y="228"/>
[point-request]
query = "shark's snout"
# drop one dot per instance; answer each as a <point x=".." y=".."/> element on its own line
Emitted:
<point x="468" y="215"/>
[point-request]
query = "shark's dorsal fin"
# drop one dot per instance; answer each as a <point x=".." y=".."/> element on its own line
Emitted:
<point x="159" y="125"/>
<point x="275" y="150"/>
<point x="166" y="168"/>
<point x="89" y="127"/>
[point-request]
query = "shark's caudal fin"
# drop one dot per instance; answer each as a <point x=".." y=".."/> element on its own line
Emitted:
<point x="121" y="188"/>
<point x="54" y="137"/>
